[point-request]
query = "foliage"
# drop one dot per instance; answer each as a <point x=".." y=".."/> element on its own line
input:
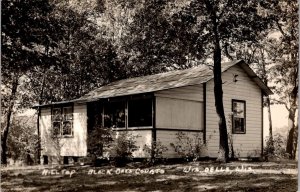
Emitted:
<point x="155" y="151"/>
<point x="123" y="147"/>
<point x="188" y="147"/>
<point x="22" y="142"/>
<point x="221" y="24"/>
<point x="99" y="141"/>
<point x="50" y="52"/>
<point x="284" y="72"/>
<point x="85" y="59"/>
<point x="59" y="51"/>
<point x="23" y="23"/>
<point x="158" y="42"/>
<point x="277" y="149"/>
<point x="275" y="59"/>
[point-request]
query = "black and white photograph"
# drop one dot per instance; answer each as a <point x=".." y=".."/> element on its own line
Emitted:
<point x="149" y="95"/>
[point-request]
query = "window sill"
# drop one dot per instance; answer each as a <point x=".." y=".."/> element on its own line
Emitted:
<point x="239" y="133"/>
<point x="64" y="136"/>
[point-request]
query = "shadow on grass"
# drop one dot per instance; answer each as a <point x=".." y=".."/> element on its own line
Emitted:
<point x="172" y="180"/>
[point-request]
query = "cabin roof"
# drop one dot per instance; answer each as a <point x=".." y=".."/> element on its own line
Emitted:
<point x="163" y="81"/>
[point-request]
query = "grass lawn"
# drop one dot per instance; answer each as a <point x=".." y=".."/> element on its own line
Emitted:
<point x="196" y="176"/>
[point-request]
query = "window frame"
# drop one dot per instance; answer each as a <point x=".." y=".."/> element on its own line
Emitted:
<point x="63" y="119"/>
<point x="107" y="102"/>
<point x="138" y="99"/>
<point x="234" y="130"/>
<point x="112" y="116"/>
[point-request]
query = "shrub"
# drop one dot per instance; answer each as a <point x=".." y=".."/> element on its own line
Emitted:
<point x="123" y="148"/>
<point x="189" y="148"/>
<point x="277" y="150"/>
<point x="99" y="141"/>
<point x="22" y="142"/>
<point x="155" y="152"/>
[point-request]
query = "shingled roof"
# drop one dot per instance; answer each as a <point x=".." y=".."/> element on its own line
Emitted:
<point x="163" y="81"/>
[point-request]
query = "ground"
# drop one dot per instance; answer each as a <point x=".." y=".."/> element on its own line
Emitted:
<point x="196" y="176"/>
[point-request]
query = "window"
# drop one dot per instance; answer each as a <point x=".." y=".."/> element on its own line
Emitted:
<point x="238" y="116"/>
<point x="62" y="121"/>
<point x="114" y="114"/>
<point x="140" y="113"/>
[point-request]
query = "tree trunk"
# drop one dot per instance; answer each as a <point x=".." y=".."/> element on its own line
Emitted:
<point x="293" y="129"/>
<point x="270" y="144"/>
<point x="292" y="139"/>
<point x="292" y="135"/>
<point x="8" y="120"/>
<point x="218" y="91"/>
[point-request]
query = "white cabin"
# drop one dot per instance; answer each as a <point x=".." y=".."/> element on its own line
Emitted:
<point x="156" y="107"/>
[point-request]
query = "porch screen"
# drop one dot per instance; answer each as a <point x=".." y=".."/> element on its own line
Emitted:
<point x="114" y="114"/>
<point x="140" y="112"/>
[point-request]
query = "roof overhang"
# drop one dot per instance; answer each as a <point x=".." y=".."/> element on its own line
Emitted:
<point x="57" y="103"/>
<point x="148" y="84"/>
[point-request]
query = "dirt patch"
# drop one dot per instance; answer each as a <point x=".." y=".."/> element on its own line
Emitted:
<point x="264" y="177"/>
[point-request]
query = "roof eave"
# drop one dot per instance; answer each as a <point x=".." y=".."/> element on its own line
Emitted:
<point x="58" y="103"/>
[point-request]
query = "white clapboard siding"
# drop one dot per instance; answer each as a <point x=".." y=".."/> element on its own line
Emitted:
<point x="245" y="145"/>
<point x="179" y="114"/>
<point x="77" y="145"/>
<point x="192" y="92"/>
<point x="144" y="137"/>
<point x="72" y="146"/>
<point x="45" y="126"/>
<point x="165" y="138"/>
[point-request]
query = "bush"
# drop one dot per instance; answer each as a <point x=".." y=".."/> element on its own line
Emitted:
<point x="155" y="152"/>
<point x="123" y="148"/>
<point x="277" y="150"/>
<point x="99" y="141"/>
<point x="22" y="142"/>
<point x="189" y="148"/>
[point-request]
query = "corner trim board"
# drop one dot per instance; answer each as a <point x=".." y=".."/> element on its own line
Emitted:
<point x="154" y="118"/>
<point x="262" y="123"/>
<point x="204" y="114"/>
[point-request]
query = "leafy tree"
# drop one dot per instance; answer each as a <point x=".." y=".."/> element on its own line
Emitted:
<point x="220" y="25"/>
<point x="23" y="23"/>
<point x="84" y="60"/>
<point x="284" y="71"/>
<point x="161" y="38"/>
<point x="52" y="51"/>
<point x="276" y="59"/>
<point x="22" y="140"/>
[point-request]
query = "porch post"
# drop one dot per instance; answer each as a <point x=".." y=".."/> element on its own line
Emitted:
<point x="153" y="124"/>
<point x="39" y="136"/>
